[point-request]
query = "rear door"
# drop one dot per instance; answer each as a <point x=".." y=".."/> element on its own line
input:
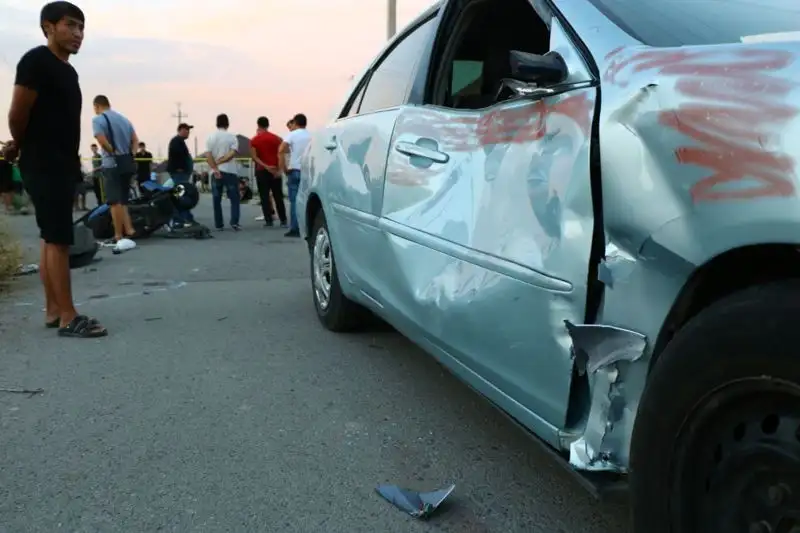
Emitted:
<point x="491" y="214"/>
<point x="360" y="142"/>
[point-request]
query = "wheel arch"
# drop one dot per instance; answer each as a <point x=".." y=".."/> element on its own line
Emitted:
<point x="722" y="275"/>
<point x="313" y="206"/>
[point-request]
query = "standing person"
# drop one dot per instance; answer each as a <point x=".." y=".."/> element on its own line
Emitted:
<point x="179" y="166"/>
<point x="264" y="151"/>
<point x="117" y="138"/>
<point x="97" y="174"/>
<point x="294" y="145"/>
<point x="144" y="162"/>
<point x="221" y="149"/>
<point x="45" y="124"/>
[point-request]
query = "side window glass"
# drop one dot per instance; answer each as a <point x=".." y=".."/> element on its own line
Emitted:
<point x="389" y="83"/>
<point x="351" y="109"/>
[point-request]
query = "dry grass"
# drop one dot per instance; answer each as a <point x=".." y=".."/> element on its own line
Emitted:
<point x="10" y="254"/>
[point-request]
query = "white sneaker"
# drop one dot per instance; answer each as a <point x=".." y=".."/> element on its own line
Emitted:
<point x="123" y="245"/>
<point x="260" y="217"/>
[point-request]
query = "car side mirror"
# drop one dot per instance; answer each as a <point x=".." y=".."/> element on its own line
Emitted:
<point x="541" y="70"/>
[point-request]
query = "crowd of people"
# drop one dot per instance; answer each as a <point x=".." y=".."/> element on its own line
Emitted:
<point x="43" y="159"/>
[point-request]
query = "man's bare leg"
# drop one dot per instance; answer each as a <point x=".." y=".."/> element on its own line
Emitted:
<point x="52" y="312"/>
<point x="57" y="261"/>
<point x="127" y="224"/>
<point x="8" y="201"/>
<point x="118" y="219"/>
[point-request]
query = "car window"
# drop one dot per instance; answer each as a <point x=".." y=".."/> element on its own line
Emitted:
<point x="351" y="109"/>
<point x="701" y="22"/>
<point x="389" y="82"/>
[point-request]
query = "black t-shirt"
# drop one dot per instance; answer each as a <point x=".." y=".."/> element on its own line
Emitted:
<point x="52" y="138"/>
<point x="178" y="155"/>
<point x="143" y="167"/>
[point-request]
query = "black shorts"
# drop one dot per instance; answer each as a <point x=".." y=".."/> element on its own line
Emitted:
<point x="117" y="187"/>
<point x="52" y="197"/>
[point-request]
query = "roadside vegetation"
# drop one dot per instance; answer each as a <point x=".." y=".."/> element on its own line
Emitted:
<point x="10" y="255"/>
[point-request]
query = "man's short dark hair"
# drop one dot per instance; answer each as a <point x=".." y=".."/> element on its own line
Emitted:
<point x="263" y="122"/>
<point x="222" y="121"/>
<point x="55" y="11"/>
<point x="93" y="145"/>
<point x="300" y="120"/>
<point x="141" y="145"/>
<point x="101" y="100"/>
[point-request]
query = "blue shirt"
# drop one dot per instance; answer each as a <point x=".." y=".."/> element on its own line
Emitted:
<point x="123" y="134"/>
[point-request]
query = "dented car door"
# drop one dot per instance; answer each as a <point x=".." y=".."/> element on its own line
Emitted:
<point x="490" y="223"/>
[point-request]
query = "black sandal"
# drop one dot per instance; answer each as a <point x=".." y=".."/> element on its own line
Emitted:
<point x="83" y="327"/>
<point x="53" y="324"/>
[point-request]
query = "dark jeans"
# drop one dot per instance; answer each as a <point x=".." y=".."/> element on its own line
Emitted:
<point x="293" y="184"/>
<point x="268" y="182"/>
<point x="181" y="217"/>
<point x="229" y="183"/>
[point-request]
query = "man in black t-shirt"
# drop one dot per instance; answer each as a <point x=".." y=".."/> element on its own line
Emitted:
<point x="45" y="124"/>
<point x="144" y="161"/>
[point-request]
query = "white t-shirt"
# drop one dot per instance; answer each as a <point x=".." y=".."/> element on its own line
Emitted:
<point x="220" y="143"/>
<point x="297" y="141"/>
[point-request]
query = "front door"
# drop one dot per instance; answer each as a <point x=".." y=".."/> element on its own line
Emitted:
<point x="494" y="211"/>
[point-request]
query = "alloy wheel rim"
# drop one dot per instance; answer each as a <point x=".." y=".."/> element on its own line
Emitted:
<point x="323" y="268"/>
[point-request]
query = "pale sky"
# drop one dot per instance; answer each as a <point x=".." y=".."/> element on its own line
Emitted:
<point x="241" y="57"/>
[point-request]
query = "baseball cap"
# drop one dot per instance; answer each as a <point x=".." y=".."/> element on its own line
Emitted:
<point x="184" y="126"/>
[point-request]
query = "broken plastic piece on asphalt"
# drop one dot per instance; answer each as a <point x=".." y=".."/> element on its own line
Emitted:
<point x="24" y="270"/>
<point x="30" y="392"/>
<point x="417" y="504"/>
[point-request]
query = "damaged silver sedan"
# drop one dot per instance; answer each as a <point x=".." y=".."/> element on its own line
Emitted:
<point x="588" y="211"/>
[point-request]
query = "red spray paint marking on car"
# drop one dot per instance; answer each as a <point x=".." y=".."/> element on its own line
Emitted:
<point x="745" y="106"/>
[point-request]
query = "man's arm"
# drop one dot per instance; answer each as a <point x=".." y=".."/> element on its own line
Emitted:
<point x="99" y="132"/>
<point x="254" y="156"/>
<point x="233" y="151"/>
<point x="173" y="156"/>
<point x="283" y="151"/>
<point x="212" y="163"/>
<point x="134" y="140"/>
<point x="27" y="84"/>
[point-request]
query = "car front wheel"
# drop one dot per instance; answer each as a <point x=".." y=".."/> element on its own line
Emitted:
<point x="334" y="309"/>
<point x="716" y="446"/>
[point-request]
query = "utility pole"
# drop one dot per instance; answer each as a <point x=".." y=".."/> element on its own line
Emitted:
<point x="391" y="18"/>
<point x="180" y="115"/>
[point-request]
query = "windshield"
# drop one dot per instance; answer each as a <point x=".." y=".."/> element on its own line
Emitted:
<point x="699" y="22"/>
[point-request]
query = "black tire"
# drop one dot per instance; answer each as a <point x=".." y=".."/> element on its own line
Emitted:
<point x="340" y="314"/>
<point x="722" y="401"/>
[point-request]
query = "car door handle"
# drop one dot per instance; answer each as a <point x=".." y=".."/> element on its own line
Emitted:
<point x="331" y="144"/>
<point x="415" y="150"/>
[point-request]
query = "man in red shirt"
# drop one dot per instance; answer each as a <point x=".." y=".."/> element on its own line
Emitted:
<point x="264" y="151"/>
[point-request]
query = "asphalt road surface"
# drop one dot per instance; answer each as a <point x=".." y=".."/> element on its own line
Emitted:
<point x="218" y="403"/>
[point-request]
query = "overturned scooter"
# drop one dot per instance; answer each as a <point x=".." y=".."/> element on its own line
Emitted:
<point x="153" y="210"/>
